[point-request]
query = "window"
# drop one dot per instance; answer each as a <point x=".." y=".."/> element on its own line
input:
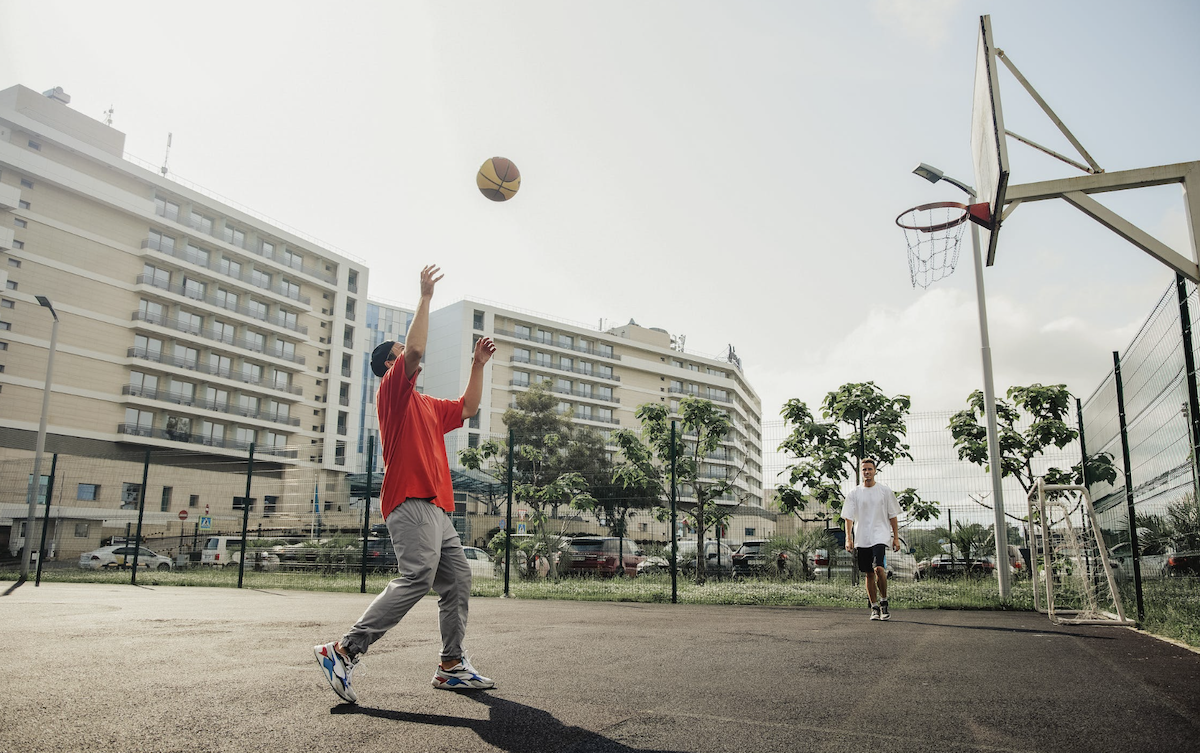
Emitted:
<point x="138" y="421"/>
<point x="186" y="357"/>
<point x="87" y="492"/>
<point x="201" y="223"/>
<point x="20" y="222"/>
<point x="473" y="421"/>
<point x="189" y="322"/>
<point x="81" y="530"/>
<point x="196" y="255"/>
<point x="227" y="299"/>
<point x="521" y="355"/>
<point x="751" y="532"/>
<point x="234" y="236"/>
<point x="260" y="278"/>
<point x="242" y="503"/>
<point x="604" y="414"/>
<point x="520" y="379"/>
<point x="248" y="405"/>
<point x="291" y="259"/>
<point x="339" y="453"/>
<point x="150" y="311"/>
<point x="342" y="419"/>
<point x="5" y="303"/>
<point x="348" y="337"/>
<point x="584" y="389"/>
<point x="350" y="305"/>
<point x="522" y="331"/>
<point x="35" y="146"/>
<point x="267" y="249"/>
<point x="10" y="285"/>
<point x="166" y="209"/>
<point x="352" y="281"/>
<point x="143" y="384"/>
<point x="604" y="350"/>
<point x="230" y="267"/>
<point x="282" y="380"/>
<point x="563" y="386"/>
<point x="223" y="331"/>
<point x="166" y="500"/>
<point x="676" y="385"/>
<point x="269" y="503"/>
<point x="567" y="364"/>
<point x="256" y="341"/>
<point x="566" y="341"/>
<point x="147" y="347"/>
<point x="3" y="346"/>
<point x="292" y="290"/>
<point x="583" y="411"/>
<point x="477" y="322"/>
<point x="220" y="365"/>
<point x="26" y="183"/>
<point x="472" y="440"/>
<point x="288" y="319"/>
<point x="14" y="262"/>
<point x="257" y="309"/>
<point x="216" y="398"/>
<point x="286" y="350"/>
<point x="212" y="434"/>
<point x="179" y="428"/>
<point x="245" y="435"/>
<point x="604" y="371"/>
<point x="18" y="244"/>
<point x="252" y="372"/>
<point x="152" y="275"/>
<point x="602" y="392"/>
<point x="183" y="393"/>
<point x="194" y="500"/>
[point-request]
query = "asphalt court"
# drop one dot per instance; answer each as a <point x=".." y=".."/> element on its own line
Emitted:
<point x="122" y="668"/>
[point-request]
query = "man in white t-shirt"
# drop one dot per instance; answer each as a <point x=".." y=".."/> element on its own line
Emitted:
<point x="870" y="513"/>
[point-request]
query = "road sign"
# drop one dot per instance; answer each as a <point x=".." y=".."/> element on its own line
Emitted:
<point x="205" y="523"/>
<point x="521" y="528"/>
<point x="183" y="514"/>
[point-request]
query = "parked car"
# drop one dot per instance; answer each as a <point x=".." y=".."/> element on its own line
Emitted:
<point x="1183" y="563"/>
<point x="751" y="559"/>
<point x="1153" y="561"/>
<point x="220" y="551"/>
<point x="946" y="565"/>
<point x="901" y="564"/>
<point x="718" y="564"/>
<point x="121" y="557"/>
<point x="605" y="556"/>
<point x="480" y="562"/>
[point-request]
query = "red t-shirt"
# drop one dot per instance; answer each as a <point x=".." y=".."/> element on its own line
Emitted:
<point x="411" y="427"/>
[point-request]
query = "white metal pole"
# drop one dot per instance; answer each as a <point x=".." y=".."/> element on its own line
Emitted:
<point x="989" y="399"/>
<point x="35" y="482"/>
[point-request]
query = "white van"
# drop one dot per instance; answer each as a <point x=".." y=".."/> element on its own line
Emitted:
<point x="220" y="551"/>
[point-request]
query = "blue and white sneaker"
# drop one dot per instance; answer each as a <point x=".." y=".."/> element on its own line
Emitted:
<point x="461" y="676"/>
<point x="337" y="669"/>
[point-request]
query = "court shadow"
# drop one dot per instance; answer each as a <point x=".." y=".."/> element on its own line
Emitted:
<point x="510" y="726"/>
<point x="1000" y="629"/>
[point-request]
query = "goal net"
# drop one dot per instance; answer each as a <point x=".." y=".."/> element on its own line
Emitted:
<point x="1071" y="569"/>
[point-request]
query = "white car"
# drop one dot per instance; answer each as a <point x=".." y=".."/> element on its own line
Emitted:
<point x="121" y="556"/>
<point x="481" y="563"/>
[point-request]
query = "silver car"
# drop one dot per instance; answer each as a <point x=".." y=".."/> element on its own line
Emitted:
<point x="109" y="557"/>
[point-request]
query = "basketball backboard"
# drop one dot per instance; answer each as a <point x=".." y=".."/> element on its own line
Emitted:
<point x="988" y="144"/>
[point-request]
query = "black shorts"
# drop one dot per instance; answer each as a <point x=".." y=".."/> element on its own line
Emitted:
<point x="871" y="557"/>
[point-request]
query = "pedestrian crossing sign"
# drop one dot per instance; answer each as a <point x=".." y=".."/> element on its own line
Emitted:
<point x="205" y="523"/>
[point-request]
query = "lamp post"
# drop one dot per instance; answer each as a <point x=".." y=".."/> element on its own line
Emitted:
<point x="933" y="175"/>
<point x="36" y="482"/>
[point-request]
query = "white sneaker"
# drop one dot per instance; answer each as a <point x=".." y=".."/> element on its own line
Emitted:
<point x="461" y="676"/>
<point x="337" y="670"/>
<point x="875" y="615"/>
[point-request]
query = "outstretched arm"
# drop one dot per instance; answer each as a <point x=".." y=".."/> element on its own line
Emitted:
<point x="418" y="331"/>
<point x="483" y="353"/>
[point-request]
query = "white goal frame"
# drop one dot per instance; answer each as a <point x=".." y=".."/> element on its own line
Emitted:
<point x="1040" y="541"/>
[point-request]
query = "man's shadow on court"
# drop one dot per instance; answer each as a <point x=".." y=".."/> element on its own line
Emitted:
<point x="513" y="727"/>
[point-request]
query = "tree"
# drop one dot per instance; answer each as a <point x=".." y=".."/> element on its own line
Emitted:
<point x="1045" y="408"/>
<point x="645" y="470"/>
<point x="860" y="421"/>
<point x="540" y="477"/>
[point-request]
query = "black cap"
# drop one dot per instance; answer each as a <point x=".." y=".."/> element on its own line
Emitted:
<point x="379" y="357"/>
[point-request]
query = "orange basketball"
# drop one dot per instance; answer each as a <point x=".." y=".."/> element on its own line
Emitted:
<point x="498" y="179"/>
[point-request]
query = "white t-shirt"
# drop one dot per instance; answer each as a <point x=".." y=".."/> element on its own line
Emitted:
<point x="871" y="508"/>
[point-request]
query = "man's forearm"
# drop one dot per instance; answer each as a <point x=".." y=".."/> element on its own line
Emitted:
<point x="418" y="335"/>
<point x="474" y="391"/>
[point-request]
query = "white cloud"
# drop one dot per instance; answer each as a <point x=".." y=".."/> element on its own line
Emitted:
<point x="927" y="20"/>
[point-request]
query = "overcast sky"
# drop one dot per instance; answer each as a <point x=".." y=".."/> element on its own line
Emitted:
<point x="729" y="171"/>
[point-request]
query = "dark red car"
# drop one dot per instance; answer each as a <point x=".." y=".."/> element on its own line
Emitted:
<point x="605" y="556"/>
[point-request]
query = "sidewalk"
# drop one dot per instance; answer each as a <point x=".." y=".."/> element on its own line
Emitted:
<point x="118" y="668"/>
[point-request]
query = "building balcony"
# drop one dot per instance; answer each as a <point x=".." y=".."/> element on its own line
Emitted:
<point x="543" y="364"/>
<point x="209" y="334"/>
<point x="198" y="439"/>
<point x="156" y="356"/>
<point x="590" y="350"/>
<point x="213" y="265"/>
<point x="151" y="393"/>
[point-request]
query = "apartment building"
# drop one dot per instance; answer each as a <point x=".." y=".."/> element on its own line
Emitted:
<point x="187" y="325"/>
<point x="601" y="376"/>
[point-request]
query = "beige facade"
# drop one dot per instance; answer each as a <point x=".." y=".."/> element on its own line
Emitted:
<point x="187" y="325"/>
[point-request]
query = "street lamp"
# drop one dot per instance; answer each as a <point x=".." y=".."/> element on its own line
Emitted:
<point x="36" y="482"/>
<point x="933" y="175"/>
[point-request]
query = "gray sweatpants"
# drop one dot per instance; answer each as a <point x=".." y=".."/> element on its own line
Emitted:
<point x="429" y="555"/>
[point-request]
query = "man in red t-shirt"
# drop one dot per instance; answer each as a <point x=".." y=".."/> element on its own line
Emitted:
<point x="416" y="500"/>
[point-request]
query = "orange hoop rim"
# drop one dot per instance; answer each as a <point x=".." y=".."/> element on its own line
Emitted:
<point x="966" y="212"/>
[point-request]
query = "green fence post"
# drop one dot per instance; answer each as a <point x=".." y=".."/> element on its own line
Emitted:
<point x="1135" y="555"/>
<point x="512" y="448"/>
<point x="674" y="524"/>
<point x="367" y="508"/>
<point x="137" y="539"/>
<point x="246" y="514"/>
<point x="45" y="519"/>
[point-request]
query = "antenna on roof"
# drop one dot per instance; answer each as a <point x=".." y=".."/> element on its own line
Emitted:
<point x="108" y="116"/>
<point x="167" y="157"/>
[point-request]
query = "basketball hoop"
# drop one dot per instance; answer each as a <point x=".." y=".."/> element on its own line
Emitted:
<point x="933" y="233"/>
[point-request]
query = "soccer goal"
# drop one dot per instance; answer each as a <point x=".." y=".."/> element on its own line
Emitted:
<point x="1070" y="565"/>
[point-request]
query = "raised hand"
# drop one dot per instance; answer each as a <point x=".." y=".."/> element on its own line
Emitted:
<point x="484" y="349"/>
<point x="430" y="276"/>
